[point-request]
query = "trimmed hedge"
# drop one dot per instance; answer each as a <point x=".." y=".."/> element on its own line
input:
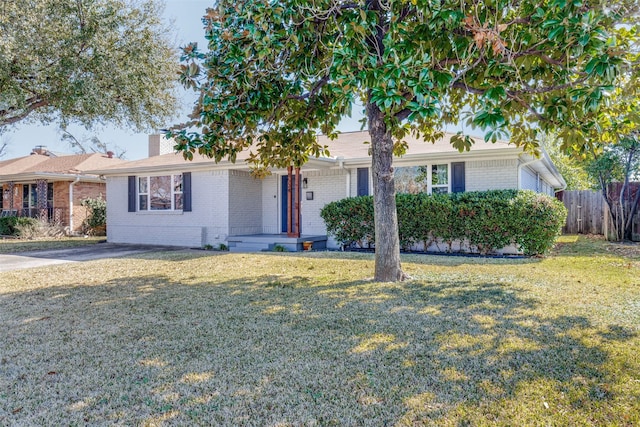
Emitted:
<point x="10" y="225"/>
<point x="485" y="221"/>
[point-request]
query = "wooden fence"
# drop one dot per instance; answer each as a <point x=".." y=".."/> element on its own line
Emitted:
<point x="585" y="212"/>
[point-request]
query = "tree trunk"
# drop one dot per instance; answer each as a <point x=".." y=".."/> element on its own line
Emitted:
<point x="387" y="255"/>
<point x="612" y="214"/>
<point x="632" y="212"/>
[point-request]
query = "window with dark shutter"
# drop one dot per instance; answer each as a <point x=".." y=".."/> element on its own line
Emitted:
<point x="363" y="182"/>
<point x="132" y="193"/>
<point x="457" y="177"/>
<point x="186" y="191"/>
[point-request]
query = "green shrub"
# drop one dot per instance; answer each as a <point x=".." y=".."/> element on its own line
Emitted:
<point x="350" y="220"/>
<point x="11" y="225"/>
<point x="33" y="229"/>
<point x="96" y="220"/>
<point x="483" y="221"/>
<point x="538" y="221"/>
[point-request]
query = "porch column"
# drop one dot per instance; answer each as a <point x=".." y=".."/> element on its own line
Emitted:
<point x="298" y="185"/>
<point x="12" y="187"/>
<point x="289" y="201"/>
<point x="41" y="199"/>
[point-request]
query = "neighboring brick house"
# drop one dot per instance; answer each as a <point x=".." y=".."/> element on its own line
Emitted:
<point x="51" y="187"/>
<point x="165" y="199"/>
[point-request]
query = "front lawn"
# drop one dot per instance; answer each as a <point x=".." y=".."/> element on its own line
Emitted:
<point x="8" y="245"/>
<point x="200" y="338"/>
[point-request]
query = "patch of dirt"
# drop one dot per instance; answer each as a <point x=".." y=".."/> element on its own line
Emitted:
<point x="624" y="249"/>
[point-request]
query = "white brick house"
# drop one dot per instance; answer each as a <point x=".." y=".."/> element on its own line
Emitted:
<point x="166" y="200"/>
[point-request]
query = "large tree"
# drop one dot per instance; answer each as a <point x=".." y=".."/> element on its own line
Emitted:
<point x="90" y="144"/>
<point x="618" y="163"/>
<point x="276" y="72"/>
<point x="86" y="61"/>
<point x="572" y="168"/>
<point x="613" y="153"/>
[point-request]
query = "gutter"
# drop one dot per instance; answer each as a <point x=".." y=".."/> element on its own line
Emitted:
<point x="71" y="184"/>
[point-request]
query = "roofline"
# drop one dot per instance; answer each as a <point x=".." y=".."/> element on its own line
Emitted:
<point x="411" y="158"/>
<point x="548" y="165"/>
<point x="50" y="176"/>
<point x="511" y="151"/>
<point x="187" y="165"/>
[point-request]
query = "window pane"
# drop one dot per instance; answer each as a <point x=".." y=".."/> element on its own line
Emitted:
<point x="440" y="175"/>
<point x="160" y="192"/>
<point x="411" y="179"/>
<point x="142" y="185"/>
<point x="50" y="195"/>
<point x="439" y="190"/>
<point x="143" y="202"/>
<point x="178" y="201"/>
<point x="25" y="196"/>
<point x="177" y="183"/>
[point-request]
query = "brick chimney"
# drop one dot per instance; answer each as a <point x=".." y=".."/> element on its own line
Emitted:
<point x="159" y="145"/>
<point x="110" y="154"/>
<point x="40" y="149"/>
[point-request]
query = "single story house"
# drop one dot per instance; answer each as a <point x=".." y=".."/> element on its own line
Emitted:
<point x="51" y="186"/>
<point x="167" y="200"/>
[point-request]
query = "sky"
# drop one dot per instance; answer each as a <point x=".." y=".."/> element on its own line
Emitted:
<point x="185" y="15"/>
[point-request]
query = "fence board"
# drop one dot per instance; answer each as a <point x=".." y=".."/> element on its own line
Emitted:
<point x="585" y="212"/>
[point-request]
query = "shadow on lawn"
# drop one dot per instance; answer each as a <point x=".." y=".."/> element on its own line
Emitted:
<point x="273" y="349"/>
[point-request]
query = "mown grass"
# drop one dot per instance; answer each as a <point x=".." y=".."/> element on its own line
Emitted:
<point x="194" y="338"/>
<point x="18" y="245"/>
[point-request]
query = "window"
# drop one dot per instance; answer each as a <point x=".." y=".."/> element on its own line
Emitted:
<point x="29" y="196"/>
<point x="422" y="179"/>
<point x="440" y="179"/>
<point x="160" y="193"/>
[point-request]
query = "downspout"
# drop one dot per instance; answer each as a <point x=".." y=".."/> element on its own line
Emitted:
<point x="71" y="184"/>
<point x="341" y="166"/>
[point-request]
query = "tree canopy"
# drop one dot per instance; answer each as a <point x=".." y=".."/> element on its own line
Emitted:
<point x="86" y="61"/>
<point x="275" y="73"/>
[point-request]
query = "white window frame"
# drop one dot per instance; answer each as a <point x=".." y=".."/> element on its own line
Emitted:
<point x="147" y="193"/>
<point x="429" y="167"/>
<point x="430" y="185"/>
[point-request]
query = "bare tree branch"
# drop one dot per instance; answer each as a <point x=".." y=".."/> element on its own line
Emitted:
<point x="7" y="118"/>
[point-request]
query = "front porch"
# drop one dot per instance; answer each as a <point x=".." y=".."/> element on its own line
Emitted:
<point x="267" y="242"/>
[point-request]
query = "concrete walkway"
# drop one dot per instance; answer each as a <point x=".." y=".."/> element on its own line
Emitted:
<point x="23" y="260"/>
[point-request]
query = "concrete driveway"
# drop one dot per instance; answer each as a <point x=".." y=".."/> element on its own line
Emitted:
<point x="22" y="260"/>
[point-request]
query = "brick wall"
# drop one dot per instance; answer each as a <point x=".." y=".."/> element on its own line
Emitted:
<point x="327" y="186"/>
<point x="81" y="191"/>
<point x="61" y="200"/>
<point x="208" y="223"/>
<point x="245" y="203"/>
<point x="159" y="145"/>
<point x="17" y="196"/>
<point x="491" y="174"/>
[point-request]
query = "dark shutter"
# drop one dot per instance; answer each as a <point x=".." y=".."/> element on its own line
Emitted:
<point x="186" y="192"/>
<point x="363" y="181"/>
<point x="132" y="194"/>
<point x="457" y="177"/>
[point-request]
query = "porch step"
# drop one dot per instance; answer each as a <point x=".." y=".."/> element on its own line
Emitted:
<point x="266" y="242"/>
<point x="248" y="247"/>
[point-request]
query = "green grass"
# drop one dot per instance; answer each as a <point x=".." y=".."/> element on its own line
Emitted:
<point x="199" y="338"/>
<point x="19" y="245"/>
